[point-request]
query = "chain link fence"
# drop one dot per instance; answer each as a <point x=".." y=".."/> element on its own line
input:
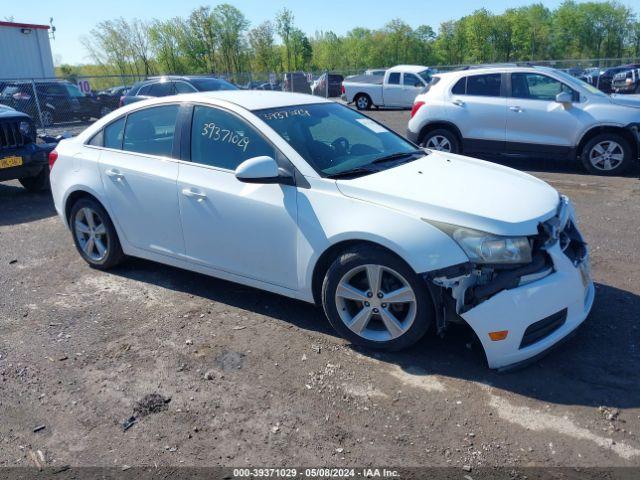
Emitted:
<point x="68" y="105"/>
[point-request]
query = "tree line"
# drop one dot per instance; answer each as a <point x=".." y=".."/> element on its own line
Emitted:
<point x="220" y="40"/>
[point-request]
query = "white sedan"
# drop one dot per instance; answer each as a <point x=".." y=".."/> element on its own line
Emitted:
<point x="310" y="199"/>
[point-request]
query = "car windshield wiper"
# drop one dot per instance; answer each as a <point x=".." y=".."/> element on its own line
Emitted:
<point x="398" y="156"/>
<point x="354" y="172"/>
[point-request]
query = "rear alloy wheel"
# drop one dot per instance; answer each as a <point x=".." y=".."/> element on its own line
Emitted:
<point x="94" y="234"/>
<point x="374" y="299"/>
<point x="607" y="154"/>
<point x="441" y="140"/>
<point x="363" y="102"/>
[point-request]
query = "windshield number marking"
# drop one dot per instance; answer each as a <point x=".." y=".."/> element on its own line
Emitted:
<point x="283" y="114"/>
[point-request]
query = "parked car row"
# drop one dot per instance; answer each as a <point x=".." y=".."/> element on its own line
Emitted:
<point x="603" y="79"/>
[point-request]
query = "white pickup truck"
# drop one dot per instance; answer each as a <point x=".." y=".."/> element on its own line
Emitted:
<point x="397" y="88"/>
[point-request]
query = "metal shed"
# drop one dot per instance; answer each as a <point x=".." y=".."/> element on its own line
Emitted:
<point x="25" y="51"/>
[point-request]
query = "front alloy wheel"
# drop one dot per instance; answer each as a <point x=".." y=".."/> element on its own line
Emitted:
<point x="607" y="154"/>
<point x="375" y="302"/>
<point x="374" y="299"/>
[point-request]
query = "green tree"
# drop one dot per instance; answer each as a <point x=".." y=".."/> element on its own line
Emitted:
<point x="285" y="27"/>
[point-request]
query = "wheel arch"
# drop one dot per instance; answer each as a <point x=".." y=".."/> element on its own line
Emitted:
<point x="624" y="132"/>
<point x="75" y="195"/>
<point x="363" y="94"/>
<point x="327" y="257"/>
<point x="436" y="124"/>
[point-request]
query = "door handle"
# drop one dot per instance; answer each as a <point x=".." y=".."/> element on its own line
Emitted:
<point x="457" y="102"/>
<point x="515" y="108"/>
<point x="114" y="173"/>
<point x="188" y="192"/>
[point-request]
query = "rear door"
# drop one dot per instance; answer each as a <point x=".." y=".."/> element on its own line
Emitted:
<point x="479" y="110"/>
<point x="139" y="175"/>
<point x="392" y="90"/>
<point x="244" y="229"/>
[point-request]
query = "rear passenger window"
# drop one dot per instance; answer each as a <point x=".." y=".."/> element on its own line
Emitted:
<point x="460" y="88"/>
<point x="161" y="89"/>
<point x="484" y="85"/>
<point x="113" y="134"/>
<point x="394" y="78"/>
<point x="151" y="130"/>
<point x="221" y="139"/>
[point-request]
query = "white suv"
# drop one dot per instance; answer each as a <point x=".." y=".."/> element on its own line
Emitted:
<point x="527" y="111"/>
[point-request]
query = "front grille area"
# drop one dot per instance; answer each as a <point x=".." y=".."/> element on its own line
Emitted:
<point x="543" y="328"/>
<point x="10" y="136"/>
<point x="562" y="229"/>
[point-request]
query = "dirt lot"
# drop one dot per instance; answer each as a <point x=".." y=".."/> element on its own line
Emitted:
<point x="251" y="378"/>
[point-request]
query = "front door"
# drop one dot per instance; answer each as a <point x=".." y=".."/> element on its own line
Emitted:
<point x="140" y="178"/>
<point x="536" y="123"/>
<point x="240" y="228"/>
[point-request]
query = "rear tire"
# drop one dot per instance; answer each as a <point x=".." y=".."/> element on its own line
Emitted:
<point x="607" y="154"/>
<point x="363" y="101"/>
<point x="391" y="316"/>
<point x="46" y="118"/>
<point x="442" y="140"/>
<point x="39" y="183"/>
<point x="94" y="235"/>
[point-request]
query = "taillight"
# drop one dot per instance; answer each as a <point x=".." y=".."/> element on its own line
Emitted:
<point x="53" y="156"/>
<point x="121" y="103"/>
<point x="415" y="108"/>
<point x="342" y="90"/>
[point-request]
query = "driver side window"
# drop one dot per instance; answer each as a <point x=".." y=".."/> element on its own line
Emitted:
<point x="224" y="140"/>
<point x="537" y="87"/>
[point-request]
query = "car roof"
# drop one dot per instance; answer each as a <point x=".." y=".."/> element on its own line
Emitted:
<point x="408" y="68"/>
<point x="493" y="69"/>
<point x="259" y="99"/>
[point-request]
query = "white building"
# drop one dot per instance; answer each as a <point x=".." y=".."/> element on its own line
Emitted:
<point x="25" y="51"/>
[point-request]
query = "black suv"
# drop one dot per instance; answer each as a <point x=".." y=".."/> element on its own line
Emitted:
<point x="59" y="101"/>
<point x="173" y="85"/>
<point x="20" y="157"/>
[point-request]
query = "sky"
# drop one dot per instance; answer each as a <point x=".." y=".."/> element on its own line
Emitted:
<point x="73" y="19"/>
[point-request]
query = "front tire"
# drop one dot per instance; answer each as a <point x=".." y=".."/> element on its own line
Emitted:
<point x="607" y="154"/>
<point x="363" y="101"/>
<point x="94" y="235"/>
<point x="441" y="140"/>
<point x="39" y="183"/>
<point x="375" y="300"/>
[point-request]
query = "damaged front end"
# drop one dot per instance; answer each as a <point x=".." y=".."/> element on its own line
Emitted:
<point x="460" y="288"/>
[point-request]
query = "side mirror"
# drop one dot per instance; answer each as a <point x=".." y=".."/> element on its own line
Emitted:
<point x="263" y="169"/>
<point x="565" y="98"/>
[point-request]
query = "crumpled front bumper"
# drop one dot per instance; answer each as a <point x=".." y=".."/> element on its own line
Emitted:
<point x="569" y="287"/>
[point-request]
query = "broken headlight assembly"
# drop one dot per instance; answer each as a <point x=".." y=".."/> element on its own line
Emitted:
<point x="487" y="248"/>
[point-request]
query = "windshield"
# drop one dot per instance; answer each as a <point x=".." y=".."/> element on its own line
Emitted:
<point x="426" y="75"/>
<point x="212" y="84"/>
<point x="577" y="83"/>
<point x="335" y="139"/>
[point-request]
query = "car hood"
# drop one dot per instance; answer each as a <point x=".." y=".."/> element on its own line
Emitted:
<point x="461" y="191"/>
<point x="625" y="100"/>
<point x="8" y="112"/>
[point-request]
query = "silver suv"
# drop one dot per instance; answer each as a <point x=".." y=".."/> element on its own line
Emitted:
<point x="527" y="111"/>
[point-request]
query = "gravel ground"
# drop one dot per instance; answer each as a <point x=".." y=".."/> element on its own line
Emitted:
<point x="220" y="374"/>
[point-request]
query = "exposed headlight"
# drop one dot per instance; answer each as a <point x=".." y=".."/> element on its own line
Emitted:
<point x="483" y="247"/>
<point x="25" y="129"/>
